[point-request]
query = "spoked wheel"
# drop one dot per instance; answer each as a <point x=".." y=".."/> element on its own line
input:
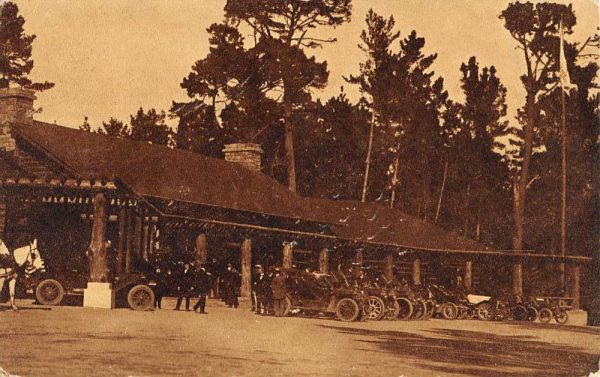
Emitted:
<point x="561" y="317"/>
<point x="430" y="310"/>
<point x="49" y="292"/>
<point x="419" y="310"/>
<point x="376" y="308"/>
<point x="347" y="310"/>
<point x="449" y="310"/>
<point x="532" y="314"/>
<point x="406" y="308"/>
<point x="484" y="311"/>
<point x="520" y="313"/>
<point x="545" y="315"/>
<point x="140" y="297"/>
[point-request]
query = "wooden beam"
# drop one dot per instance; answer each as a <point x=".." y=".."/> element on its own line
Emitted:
<point x="288" y="255"/>
<point x="468" y="276"/>
<point x="137" y="237"/>
<point x="575" y="285"/>
<point x="201" y="248"/>
<point x="324" y="261"/>
<point x="416" y="272"/>
<point x="121" y="240"/>
<point x="128" y="240"/>
<point x="145" y="241"/>
<point x="97" y="249"/>
<point x="518" y="279"/>
<point x="246" y="267"/>
<point x="388" y="269"/>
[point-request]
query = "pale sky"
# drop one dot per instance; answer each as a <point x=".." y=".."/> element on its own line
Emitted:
<point x="109" y="57"/>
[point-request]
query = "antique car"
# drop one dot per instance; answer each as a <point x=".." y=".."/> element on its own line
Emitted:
<point x="52" y="285"/>
<point x="322" y="293"/>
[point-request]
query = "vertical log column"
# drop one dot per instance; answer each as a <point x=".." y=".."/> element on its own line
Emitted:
<point x="137" y="236"/>
<point x="468" y="278"/>
<point x="388" y="268"/>
<point x="246" y="264"/>
<point x="324" y="261"/>
<point x="518" y="279"/>
<point x="288" y="255"/>
<point x="97" y="250"/>
<point x="416" y="272"/>
<point x="128" y="240"/>
<point x="202" y="249"/>
<point x="145" y="240"/>
<point x="575" y="287"/>
<point x="121" y="240"/>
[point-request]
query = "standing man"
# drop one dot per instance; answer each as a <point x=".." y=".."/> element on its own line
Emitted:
<point x="202" y="278"/>
<point x="184" y="286"/>
<point x="261" y="285"/>
<point x="279" y="293"/>
<point x="231" y="282"/>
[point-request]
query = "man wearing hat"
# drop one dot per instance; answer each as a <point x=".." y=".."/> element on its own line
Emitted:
<point x="261" y="287"/>
<point x="185" y="280"/>
<point x="231" y="281"/>
<point x="279" y="293"/>
<point x="202" y="278"/>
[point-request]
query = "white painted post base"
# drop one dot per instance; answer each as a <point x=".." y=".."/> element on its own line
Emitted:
<point x="99" y="295"/>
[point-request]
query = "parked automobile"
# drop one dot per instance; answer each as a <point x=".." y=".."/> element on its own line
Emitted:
<point x="323" y="293"/>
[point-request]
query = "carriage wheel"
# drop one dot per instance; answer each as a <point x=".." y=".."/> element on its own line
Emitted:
<point x="449" y="310"/>
<point x="561" y="317"/>
<point x="532" y="314"/>
<point x="49" y="292"/>
<point x="406" y="308"/>
<point x="140" y="297"/>
<point x="520" y="313"/>
<point x="484" y="311"/>
<point x="347" y="310"/>
<point x="545" y="315"/>
<point x="376" y="308"/>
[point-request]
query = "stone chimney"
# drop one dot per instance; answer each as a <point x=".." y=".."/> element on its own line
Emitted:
<point x="246" y="154"/>
<point x="16" y="106"/>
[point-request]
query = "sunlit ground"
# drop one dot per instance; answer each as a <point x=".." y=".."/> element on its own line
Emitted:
<point x="75" y="341"/>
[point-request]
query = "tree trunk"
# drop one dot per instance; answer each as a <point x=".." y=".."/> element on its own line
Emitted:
<point x="246" y="267"/>
<point x="563" y="203"/>
<point x="439" y="206"/>
<point x="201" y="249"/>
<point x="97" y="249"/>
<point x="289" y="148"/>
<point x="368" y="159"/>
<point x="395" y="178"/>
<point x="324" y="261"/>
<point x="388" y="269"/>
<point x="466" y="210"/>
<point x="288" y="256"/>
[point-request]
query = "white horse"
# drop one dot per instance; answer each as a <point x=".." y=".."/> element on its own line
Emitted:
<point x="27" y="256"/>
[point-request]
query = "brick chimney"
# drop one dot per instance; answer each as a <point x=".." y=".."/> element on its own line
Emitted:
<point x="16" y="106"/>
<point x="246" y="154"/>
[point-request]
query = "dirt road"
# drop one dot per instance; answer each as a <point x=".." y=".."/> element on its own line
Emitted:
<point x="74" y="341"/>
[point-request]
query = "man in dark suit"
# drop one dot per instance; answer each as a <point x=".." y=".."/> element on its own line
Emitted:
<point x="231" y="283"/>
<point x="202" y="279"/>
<point x="279" y="292"/>
<point x="185" y="282"/>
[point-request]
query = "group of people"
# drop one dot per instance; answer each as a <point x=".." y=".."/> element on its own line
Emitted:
<point x="189" y="280"/>
<point x="268" y="292"/>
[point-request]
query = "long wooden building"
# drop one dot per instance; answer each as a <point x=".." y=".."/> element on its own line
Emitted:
<point x="74" y="190"/>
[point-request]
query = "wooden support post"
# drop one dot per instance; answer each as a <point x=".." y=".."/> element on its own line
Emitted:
<point x="97" y="249"/>
<point x="575" y="285"/>
<point x="202" y="248"/>
<point x="145" y="241"/>
<point x="246" y="264"/>
<point x="518" y="280"/>
<point x="137" y="237"/>
<point x="121" y="240"/>
<point x="388" y="269"/>
<point x="288" y="256"/>
<point x="416" y="272"/>
<point x="128" y="240"/>
<point x="468" y="278"/>
<point x="324" y="261"/>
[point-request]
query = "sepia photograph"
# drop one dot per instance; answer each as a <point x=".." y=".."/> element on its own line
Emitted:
<point x="240" y="188"/>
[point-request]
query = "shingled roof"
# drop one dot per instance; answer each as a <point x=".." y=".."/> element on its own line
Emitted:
<point x="161" y="172"/>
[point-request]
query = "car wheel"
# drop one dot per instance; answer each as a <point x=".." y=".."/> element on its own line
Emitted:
<point x="49" y="292"/>
<point x="484" y="311"/>
<point x="561" y="317"/>
<point x="449" y="310"/>
<point x="376" y="308"/>
<point x="419" y="310"/>
<point x="520" y="313"/>
<point x="140" y="297"/>
<point x="532" y="314"/>
<point x="347" y="310"/>
<point x="406" y="309"/>
<point x="545" y="315"/>
<point x="394" y="311"/>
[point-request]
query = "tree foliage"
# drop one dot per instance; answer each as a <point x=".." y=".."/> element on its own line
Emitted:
<point x="15" y="55"/>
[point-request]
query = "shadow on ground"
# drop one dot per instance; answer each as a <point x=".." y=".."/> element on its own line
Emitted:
<point x="479" y="353"/>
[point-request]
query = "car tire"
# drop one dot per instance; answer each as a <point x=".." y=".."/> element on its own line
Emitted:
<point x="520" y="313"/>
<point x="545" y="315"/>
<point x="140" y="297"/>
<point x="449" y="310"/>
<point x="406" y="309"/>
<point x="419" y="310"/>
<point x="347" y="310"/>
<point x="49" y="292"/>
<point x="376" y="308"/>
<point x="484" y="311"/>
<point x="532" y="314"/>
<point x="561" y="317"/>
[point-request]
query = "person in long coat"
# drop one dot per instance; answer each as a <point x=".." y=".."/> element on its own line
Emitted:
<point x="262" y="288"/>
<point x="185" y="280"/>
<point x="202" y="286"/>
<point x="279" y="293"/>
<point x="231" y="283"/>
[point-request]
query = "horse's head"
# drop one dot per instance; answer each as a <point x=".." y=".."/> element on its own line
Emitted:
<point x="29" y="256"/>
